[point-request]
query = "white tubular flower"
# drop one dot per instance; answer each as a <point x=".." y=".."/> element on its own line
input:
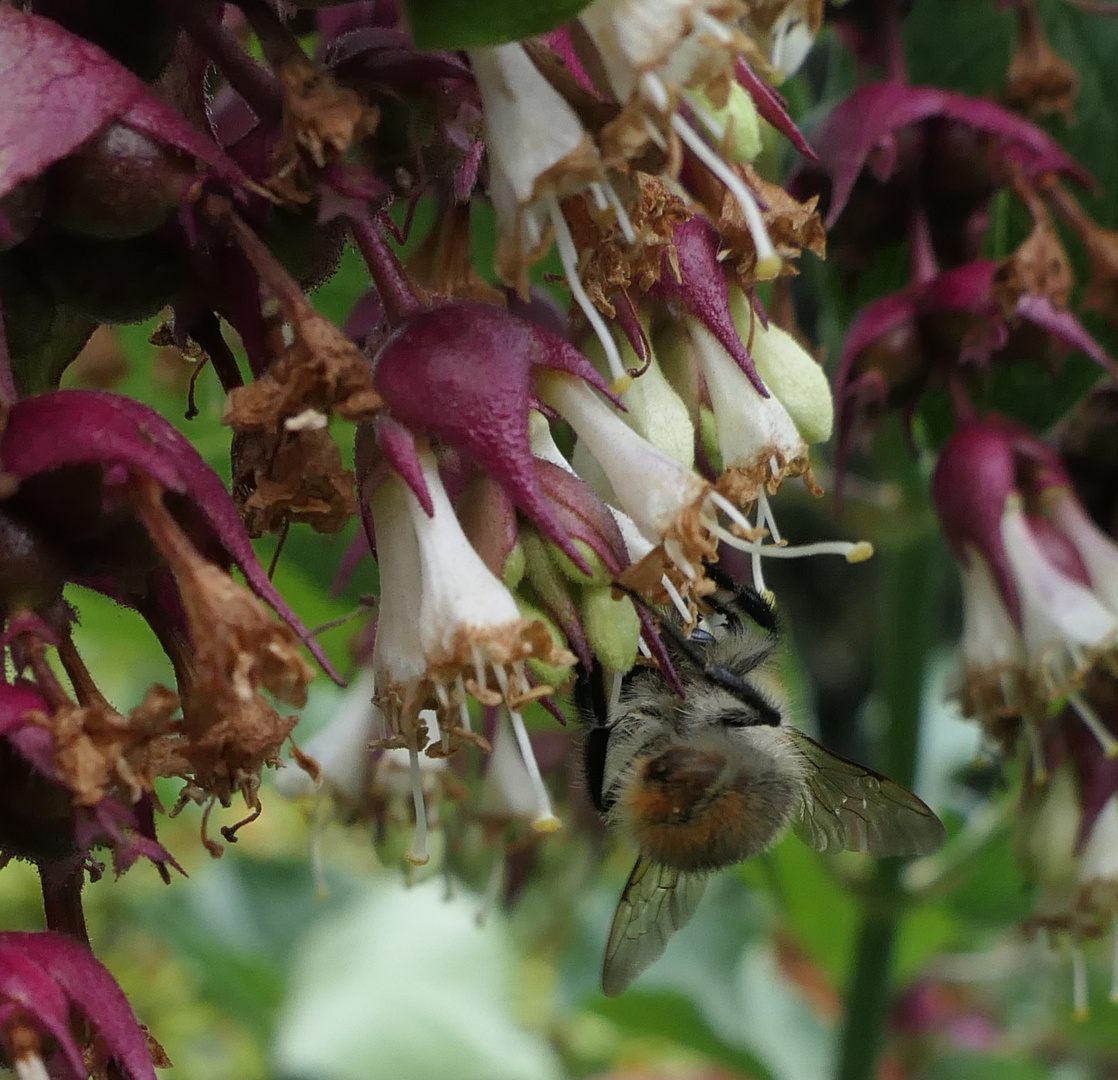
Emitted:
<point x="340" y="748"/>
<point x="537" y="147"/>
<point x="1078" y="900"/>
<point x="673" y="507"/>
<point x="1098" y="552"/>
<point x="655" y="53"/>
<point x="1040" y="599"/>
<point x="472" y="635"/>
<point x="539" y="153"/>
<point x="757" y="440"/>
<point x="680" y="43"/>
<point x="992" y="650"/>
<point x="399" y="664"/>
<point x="664" y="498"/>
<point x="1063" y="624"/>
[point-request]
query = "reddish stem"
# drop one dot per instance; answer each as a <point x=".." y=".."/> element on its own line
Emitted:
<point x="961" y="403"/>
<point x="279" y="44"/>
<point x="259" y="88"/>
<point x="391" y="283"/>
<point x="62" y="899"/>
<point x="892" y="40"/>
<point x="9" y="395"/>
<point x="921" y="253"/>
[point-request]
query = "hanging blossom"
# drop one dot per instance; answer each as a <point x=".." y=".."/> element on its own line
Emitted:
<point x="157" y="532"/>
<point x="658" y="57"/>
<point x="1070" y="851"/>
<point x="570" y="159"/>
<point x="348" y="763"/>
<point x="448" y="631"/>
<point x="1040" y="582"/>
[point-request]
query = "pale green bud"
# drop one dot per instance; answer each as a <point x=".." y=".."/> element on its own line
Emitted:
<point x="655" y="411"/>
<point x="677" y="361"/>
<point x="541" y="672"/>
<point x="543" y="575"/>
<point x="736" y="127"/>
<point x="600" y="575"/>
<point x="708" y="432"/>
<point x="1047" y="830"/>
<point x="790" y="373"/>
<point x="513" y="570"/>
<point x="612" y="626"/>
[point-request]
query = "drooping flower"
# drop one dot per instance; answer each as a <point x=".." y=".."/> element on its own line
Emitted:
<point x="945" y="331"/>
<point x="448" y="629"/>
<point x="1039" y="603"/>
<point x="131" y="510"/>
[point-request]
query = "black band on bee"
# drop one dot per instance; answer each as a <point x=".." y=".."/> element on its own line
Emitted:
<point x="696" y="652"/>
<point x="744" y="601"/>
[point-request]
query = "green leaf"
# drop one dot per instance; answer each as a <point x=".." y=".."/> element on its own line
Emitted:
<point x="456" y="24"/>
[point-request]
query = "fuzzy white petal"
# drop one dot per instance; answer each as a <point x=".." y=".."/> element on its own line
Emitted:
<point x="398" y="652"/>
<point x="459" y="591"/>
<point x="529" y="127"/>
<point x="750" y="428"/>
<point x="990" y="637"/>
<point x="651" y="487"/>
<point x="1056" y="611"/>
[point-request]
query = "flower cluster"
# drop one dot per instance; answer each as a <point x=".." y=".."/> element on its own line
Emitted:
<point x="921" y="164"/>
<point x="627" y="140"/>
<point x="536" y="485"/>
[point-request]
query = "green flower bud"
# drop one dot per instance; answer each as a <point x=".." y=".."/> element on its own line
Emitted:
<point x="790" y="373"/>
<point x="676" y="358"/>
<point x="736" y="127"/>
<point x="655" y="411"/>
<point x="513" y="571"/>
<point x="612" y="626"/>
<point x="541" y="672"/>
<point x="553" y="589"/>
<point x="600" y="575"/>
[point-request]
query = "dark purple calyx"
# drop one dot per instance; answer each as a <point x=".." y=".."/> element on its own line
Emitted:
<point x="974" y="478"/>
<point x="702" y="289"/>
<point x="462" y="373"/>
<point x="45" y="974"/>
<point x="121" y="438"/>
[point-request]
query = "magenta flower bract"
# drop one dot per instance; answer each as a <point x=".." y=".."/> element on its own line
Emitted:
<point x="123" y="437"/>
<point x="60" y="89"/>
<point x="42" y="977"/>
<point x="463" y="374"/>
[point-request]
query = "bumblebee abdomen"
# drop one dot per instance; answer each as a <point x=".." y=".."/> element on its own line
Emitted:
<point x="688" y="809"/>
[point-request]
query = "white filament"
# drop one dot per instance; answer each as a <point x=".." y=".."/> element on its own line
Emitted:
<point x="568" y="256"/>
<point x="417" y="854"/>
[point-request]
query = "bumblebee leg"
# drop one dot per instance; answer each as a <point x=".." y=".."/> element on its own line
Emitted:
<point x="744" y="600"/>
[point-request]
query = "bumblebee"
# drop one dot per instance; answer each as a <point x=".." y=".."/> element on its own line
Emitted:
<point x="707" y="779"/>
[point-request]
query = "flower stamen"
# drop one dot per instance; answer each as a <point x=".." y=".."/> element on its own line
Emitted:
<point x="417" y="854"/>
<point x="1093" y="723"/>
<point x="568" y="256"/>
<point x="768" y="261"/>
<point x="1079" y="983"/>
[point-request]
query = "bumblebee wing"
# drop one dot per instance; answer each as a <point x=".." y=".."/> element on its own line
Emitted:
<point x="657" y="901"/>
<point x="849" y="807"/>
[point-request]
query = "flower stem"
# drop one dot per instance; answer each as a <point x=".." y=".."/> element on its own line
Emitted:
<point x="62" y="899"/>
<point x="904" y="634"/>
